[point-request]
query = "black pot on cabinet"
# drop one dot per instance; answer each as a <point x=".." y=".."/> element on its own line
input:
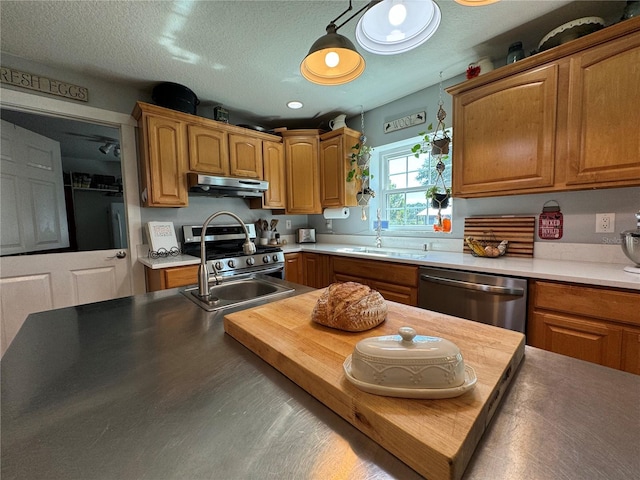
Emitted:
<point x="176" y="97"/>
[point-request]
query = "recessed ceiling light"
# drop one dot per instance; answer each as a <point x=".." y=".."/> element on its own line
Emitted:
<point x="294" y="105"/>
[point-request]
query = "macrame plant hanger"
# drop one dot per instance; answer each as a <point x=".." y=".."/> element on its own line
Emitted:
<point x="438" y="152"/>
<point x="364" y="200"/>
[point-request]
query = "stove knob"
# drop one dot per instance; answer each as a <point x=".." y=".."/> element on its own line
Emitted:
<point x="231" y="263"/>
<point x="250" y="261"/>
<point x="275" y="258"/>
<point x="218" y="266"/>
<point x="265" y="259"/>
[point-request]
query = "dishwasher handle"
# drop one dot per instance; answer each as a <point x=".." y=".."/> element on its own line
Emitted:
<point x="473" y="286"/>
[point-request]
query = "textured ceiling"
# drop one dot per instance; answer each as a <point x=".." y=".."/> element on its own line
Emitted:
<point x="245" y="55"/>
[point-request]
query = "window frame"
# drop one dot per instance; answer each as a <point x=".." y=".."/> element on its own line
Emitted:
<point x="403" y="149"/>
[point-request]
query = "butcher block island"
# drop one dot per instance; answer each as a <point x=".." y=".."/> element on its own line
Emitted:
<point x="436" y="437"/>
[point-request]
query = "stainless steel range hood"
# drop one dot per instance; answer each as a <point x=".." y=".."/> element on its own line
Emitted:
<point x="225" y="186"/>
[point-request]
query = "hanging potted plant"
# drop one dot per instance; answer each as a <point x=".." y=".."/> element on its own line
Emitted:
<point x="359" y="157"/>
<point x="438" y="199"/>
<point x="436" y="143"/>
<point x="360" y="171"/>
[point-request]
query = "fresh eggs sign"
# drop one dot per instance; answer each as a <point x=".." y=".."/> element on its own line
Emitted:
<point x="43" y="84"/>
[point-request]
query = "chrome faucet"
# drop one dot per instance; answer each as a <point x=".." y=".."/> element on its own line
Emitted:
<point x="379" y="231"/>
<point x="248" y="247"/>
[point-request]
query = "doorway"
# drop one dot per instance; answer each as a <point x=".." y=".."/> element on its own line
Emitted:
<point x="37" y="282"/>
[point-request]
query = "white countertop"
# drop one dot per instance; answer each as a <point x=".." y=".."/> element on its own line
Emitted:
<point x="167" y="262"/>
<point x="591" y="273"/>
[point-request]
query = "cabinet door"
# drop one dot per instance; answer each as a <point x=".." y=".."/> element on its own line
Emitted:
<point x="392" y="273"/>
<point x="604" y="115"/>
<point x="245" y="156"/>
<point x="274" y="173"/>
<point x="504" y="134"/>
<point x="631" y="350"/>
<point x="303" y="186"/>
<point x="163" y="278"/>
<point x="332" y="184"/>
<point x="335" y="164"/>
<point x="315" y="268"/>
<point x="293" y="268"/>
<point x="593" y="341"/>
<point x="393" y="293"/>
<point x="208" y="150"/>
<point x="166" y="161"/>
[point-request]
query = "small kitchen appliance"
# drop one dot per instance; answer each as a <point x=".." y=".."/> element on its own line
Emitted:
<point x="306" y="235"/>
<point x="223" y="245"/>
<point x="630" y="242"/>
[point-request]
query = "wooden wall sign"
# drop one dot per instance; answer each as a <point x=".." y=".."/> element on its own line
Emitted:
<point x="550" y="222"/>
<point x="405" y="122"/>
<point x="43" y="84"/>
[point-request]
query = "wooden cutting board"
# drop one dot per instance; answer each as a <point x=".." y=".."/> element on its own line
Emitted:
<point x="435" y="437"/>
<point x="519" y="231"/>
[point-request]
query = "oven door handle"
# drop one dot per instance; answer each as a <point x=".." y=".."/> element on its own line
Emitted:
<point x="473" y="286"/>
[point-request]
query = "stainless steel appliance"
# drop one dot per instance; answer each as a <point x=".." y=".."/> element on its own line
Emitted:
<point x="223" y="245"/>
<point x="225" y="186"/>
<point x="306" y="235"/>
<point x="491" y="299"/>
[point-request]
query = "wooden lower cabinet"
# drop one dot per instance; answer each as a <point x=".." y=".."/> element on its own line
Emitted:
<point x="595" y="324"/>
<point x="310" y="269"/>
<point x="163" y="278"/>
<point x="293" y="268"/>
<point x="316" y="269"/>
<point x="631" y="350"/>
<point x="396" y="282"/>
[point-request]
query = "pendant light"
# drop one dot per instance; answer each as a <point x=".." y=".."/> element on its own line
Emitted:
<point x="333" y="58"/>
<point x="396" y="26"/>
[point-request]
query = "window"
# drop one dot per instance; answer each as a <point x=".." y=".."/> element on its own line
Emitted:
<point x="404" y="183"/>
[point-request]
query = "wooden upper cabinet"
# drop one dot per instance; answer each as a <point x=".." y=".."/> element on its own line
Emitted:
<point x="564" y="119"/>
<point x="163" y="161"/>
<point x="208" y="150"/>
<point x="604" y="115"/>
<point x="335" y="164"/>
<point x="274" y="173"/>
<point x="245" y="156"/>
<point x="302" y="169"/>
<point x="504" y="134"/>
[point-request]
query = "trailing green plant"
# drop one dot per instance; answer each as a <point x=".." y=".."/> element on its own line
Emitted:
<point x="359" y="171"/>
<point x="435" y="190"/>
<point x="436" y="143"/>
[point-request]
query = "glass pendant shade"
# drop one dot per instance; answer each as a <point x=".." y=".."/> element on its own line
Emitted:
<point x="397" y="26"/>
<point x="332" y="60"/>
<point x="476" y="3"/>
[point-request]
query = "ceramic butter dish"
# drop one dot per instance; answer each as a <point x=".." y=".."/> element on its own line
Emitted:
<point x="409" y="365"/>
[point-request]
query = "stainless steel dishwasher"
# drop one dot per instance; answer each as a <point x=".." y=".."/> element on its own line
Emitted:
<point x="492" y="299"/>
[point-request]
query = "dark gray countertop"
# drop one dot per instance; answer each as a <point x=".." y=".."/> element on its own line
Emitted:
<point x="150" y="387"/>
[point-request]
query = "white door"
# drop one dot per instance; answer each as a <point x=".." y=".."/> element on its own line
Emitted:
<point x="33" y="207"/>
<point x="33" y="283"/>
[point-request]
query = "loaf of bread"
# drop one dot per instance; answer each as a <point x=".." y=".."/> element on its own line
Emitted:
<point x="350" y="306"/>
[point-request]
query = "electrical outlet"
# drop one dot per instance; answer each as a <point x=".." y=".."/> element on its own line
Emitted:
<point x="288" y="224"/>
<point x="605" y="222"/>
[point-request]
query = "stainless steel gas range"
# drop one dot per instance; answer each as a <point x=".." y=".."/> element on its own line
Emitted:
<point x="223" y="245"/>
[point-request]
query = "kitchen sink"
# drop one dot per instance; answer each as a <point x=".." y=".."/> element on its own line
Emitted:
<point x="233" y="293"/>
<point x="383" y="252"/>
